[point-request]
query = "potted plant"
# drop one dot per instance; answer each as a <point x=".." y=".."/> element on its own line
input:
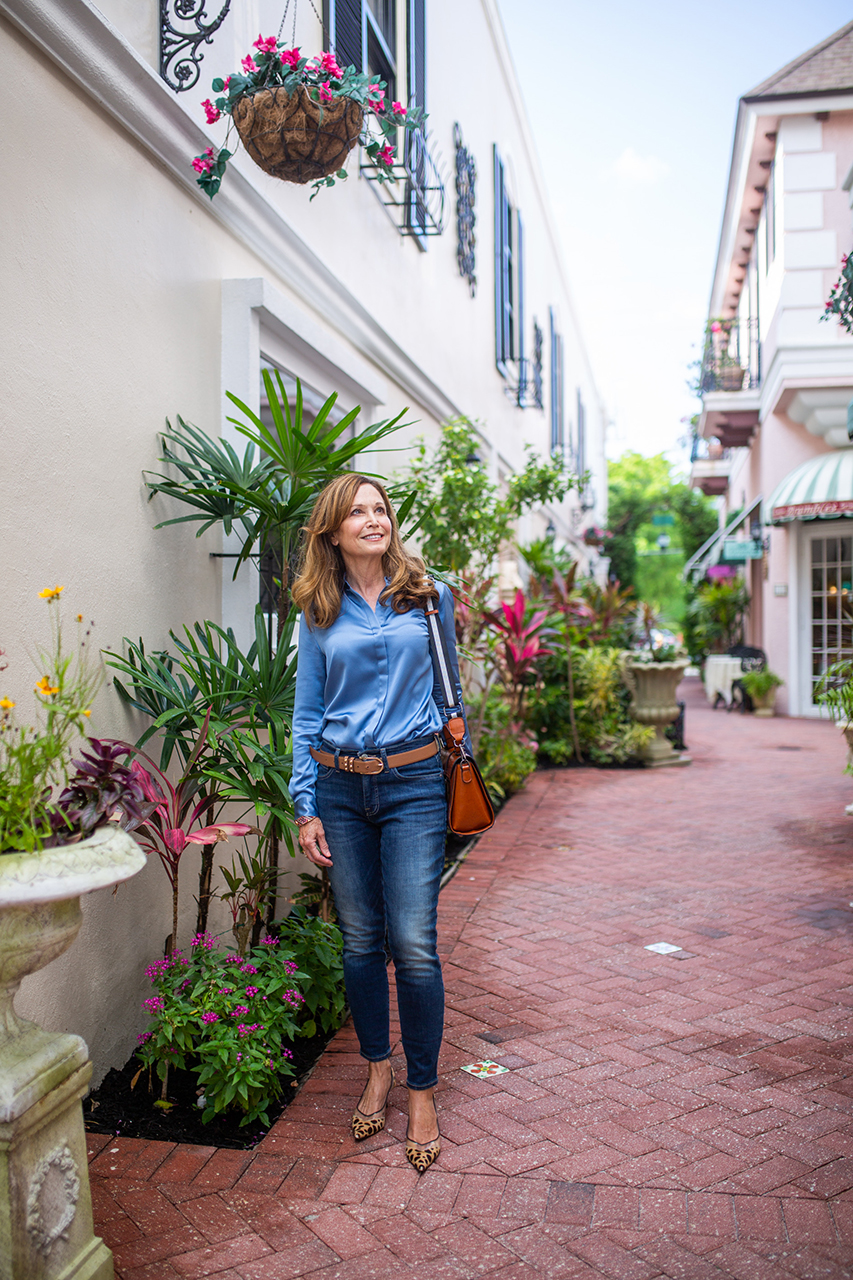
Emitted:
<point x="761" y="687"/>
<point x="652" y="676"/>
<point x="58" y="840"/>
<point x="299" y="118"/>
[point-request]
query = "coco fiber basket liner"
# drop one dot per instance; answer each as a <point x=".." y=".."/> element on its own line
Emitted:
<point x="294" y="138"/>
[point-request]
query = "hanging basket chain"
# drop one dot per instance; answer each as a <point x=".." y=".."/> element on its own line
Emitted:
<point x="323" y="26"/>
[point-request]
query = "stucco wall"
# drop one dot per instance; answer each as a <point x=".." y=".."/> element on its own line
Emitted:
<point x="113" y="302"/>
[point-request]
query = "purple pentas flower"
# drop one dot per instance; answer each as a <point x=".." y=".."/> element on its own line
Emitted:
<point x="269" y="941"/>
<point x="252" y="991"/>
<point x="145" y="1036"/>
<point x="210" y="1016"/>
<point x="248" y="968"/>
<point x="154" y="1004"/>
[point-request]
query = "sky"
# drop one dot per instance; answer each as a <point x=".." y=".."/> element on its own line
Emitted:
<point x="633" y="109"/>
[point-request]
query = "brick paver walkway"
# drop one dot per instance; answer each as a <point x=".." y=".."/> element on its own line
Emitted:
<point x="683" y="1115"/>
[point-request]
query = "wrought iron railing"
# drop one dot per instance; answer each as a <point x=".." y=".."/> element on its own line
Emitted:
<point x="708" y="451"/>
<point x="417" y="199"/>
<point x="732" y="357"/>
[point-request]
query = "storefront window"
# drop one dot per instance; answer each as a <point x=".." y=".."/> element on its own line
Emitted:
<point x="832" y="603"/>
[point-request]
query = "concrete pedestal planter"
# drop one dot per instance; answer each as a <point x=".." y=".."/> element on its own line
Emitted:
<point x="46" y="1230"/>
<point x="653" y="686"/>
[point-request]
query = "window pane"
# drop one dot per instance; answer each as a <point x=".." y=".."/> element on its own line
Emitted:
<point x="832" y="637"/>
<point x="846" y="544"/>
<point x="831" y="550"/>
<point x="831" y="578"/>
<point x="817" y="551"/>
<point x="385" y="13"/>
<point x="831" y="606"/>
<point x="817" y="579"/>
<point x="817" y="607"/>
<point x="817" y="637"/>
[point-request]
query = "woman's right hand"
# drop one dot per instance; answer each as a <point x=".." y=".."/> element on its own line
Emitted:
<point x="312" y="842"/>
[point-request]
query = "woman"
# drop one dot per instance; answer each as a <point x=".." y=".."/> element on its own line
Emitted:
<point x="368" y="786"/>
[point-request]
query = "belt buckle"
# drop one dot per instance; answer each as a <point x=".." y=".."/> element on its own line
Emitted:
<point x="373" y="764"/>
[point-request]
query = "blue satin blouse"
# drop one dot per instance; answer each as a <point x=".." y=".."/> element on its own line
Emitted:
<point x="366" y="681"/>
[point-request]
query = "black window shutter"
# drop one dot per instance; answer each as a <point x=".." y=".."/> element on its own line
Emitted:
<point x="518" y="259"/>
<point x="581" y="455"/>
<point x="417" y="53"/>
<point x="344" y="21"/>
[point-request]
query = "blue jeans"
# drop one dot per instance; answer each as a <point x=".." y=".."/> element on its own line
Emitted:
<point x="386" y="834"/>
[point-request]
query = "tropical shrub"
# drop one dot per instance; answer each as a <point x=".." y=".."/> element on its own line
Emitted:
<point x="607" y="733"/>
<point x="714" y="618"/>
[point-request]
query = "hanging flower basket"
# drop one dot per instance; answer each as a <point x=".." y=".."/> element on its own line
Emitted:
<point x="292" y="137"/>
<point x="299" y="118"/>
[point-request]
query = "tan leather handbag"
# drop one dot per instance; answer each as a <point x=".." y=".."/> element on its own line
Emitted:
<point x="469" y="809"/>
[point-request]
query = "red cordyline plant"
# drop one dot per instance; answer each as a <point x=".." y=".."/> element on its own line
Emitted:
<point x="170" y="827"/>
<point x="521" y="649"/>
<point x="273" y="66"/>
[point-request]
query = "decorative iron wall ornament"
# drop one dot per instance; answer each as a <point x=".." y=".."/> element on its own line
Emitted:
<point x="466" y="218"/>
<point x="184" y="28"/>
<point x="536" y="388"/>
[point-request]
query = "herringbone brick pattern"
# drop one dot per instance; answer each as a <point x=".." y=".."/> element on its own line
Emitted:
<point x="684" y="1115"/>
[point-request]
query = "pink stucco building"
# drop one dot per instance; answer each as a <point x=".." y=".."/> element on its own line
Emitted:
<point x="777" y="381"/>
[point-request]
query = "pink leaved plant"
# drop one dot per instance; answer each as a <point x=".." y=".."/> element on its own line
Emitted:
<point x="170" y="826"/>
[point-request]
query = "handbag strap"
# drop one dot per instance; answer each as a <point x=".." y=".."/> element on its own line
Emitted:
<point x="443" y="667"/>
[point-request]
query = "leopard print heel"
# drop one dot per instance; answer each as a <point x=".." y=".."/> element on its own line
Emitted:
<point x="422" y="1155"/>
<point x="365" y="1126"/>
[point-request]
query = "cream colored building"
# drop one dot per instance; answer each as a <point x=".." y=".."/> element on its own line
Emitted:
<point x="778" y="380"/>
<point x="129" y="297"/>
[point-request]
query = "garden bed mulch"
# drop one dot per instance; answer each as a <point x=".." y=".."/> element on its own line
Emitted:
<point x="119" y="1109"/>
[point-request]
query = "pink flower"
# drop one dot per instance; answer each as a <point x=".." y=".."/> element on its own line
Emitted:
<point x="248" y="968"/>
<point x="716" y="327"/>
<point x="154" y="1005"/>
<point x="141" y="1039"/>
<point x="225" y="84"/>
<point x="225" y="991"/>
<point x="248" y="64"/>
<point x="265" y="44"/>
<point x="269" y="941"/>
<point x="325" y="92"/>
<point x="329" y="64"/>
<point x="290" y="966"/>
<point x="293" y="998"/>
<point x="212" y="113"/>
<point x="386" y="155"/>
<point x="251" y="991"/>
<point x="377" y="92"/>
<point x="210" y="1017"/>
<point x="398" y="109"/>
<point x="290" y="58"/>
<point x="239" y="1010"/>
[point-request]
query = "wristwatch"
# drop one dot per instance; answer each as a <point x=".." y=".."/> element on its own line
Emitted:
<point x="300" y="822"/>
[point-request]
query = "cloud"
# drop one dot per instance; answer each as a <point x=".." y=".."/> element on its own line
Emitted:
<point x="636" y="169"/>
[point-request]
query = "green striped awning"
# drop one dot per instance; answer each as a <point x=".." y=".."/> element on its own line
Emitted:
<point x="820" y="489"/>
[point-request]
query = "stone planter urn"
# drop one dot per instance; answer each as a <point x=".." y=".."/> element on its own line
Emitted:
<point x="653" y="686"/>
<point x="764" y="704"/>
<point x="46" y="1230"/>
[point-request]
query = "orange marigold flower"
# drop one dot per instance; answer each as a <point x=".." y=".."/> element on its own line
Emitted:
<point x="45" y="688"/>
<point x="51" y="593"/>
<point x="87" y="714"/>
<point x="6" y="704"/>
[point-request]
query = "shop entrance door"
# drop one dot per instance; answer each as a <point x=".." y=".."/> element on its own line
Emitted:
<point x="831" y="591"/>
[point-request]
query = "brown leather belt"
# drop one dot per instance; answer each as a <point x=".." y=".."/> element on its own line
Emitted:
<point x="373" y="764"/>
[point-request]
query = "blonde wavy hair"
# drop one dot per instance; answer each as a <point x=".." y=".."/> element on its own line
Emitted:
<point x="318" y="587"/>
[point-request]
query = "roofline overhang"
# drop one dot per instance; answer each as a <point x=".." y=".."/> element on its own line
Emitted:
<point x="750" y="111"/>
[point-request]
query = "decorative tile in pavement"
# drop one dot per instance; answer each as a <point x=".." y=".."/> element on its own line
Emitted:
<point x="657" y="1120"/>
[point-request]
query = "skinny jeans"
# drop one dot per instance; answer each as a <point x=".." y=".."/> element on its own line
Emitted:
<point x="386" y="834"/>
